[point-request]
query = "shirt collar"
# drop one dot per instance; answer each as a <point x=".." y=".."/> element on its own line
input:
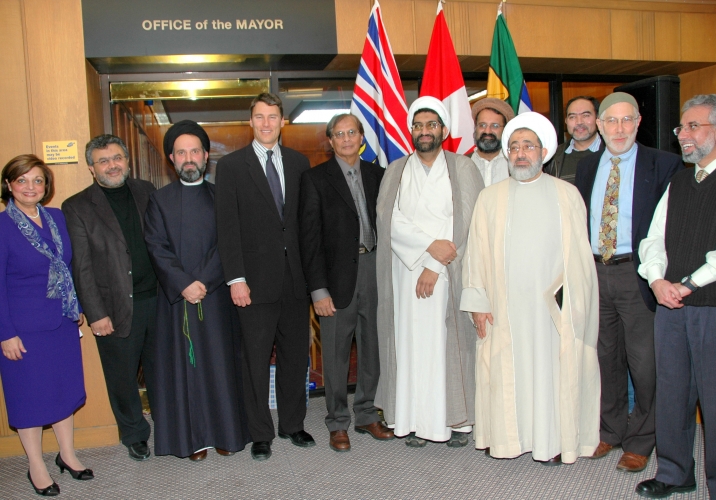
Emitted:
<point x="709" y="168"/>
<point x="345" y="167"/>
<point x="593" y="147"/>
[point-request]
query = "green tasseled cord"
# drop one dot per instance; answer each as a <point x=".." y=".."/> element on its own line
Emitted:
<point x="185" y="330"/>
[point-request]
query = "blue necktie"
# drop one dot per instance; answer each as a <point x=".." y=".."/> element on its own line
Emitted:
<point x="274" y="183"/>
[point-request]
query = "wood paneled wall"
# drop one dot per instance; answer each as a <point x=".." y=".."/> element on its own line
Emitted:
<point x="44" y="86"/>
<point x="570" y="29"/>
<point x="702" y="81"/>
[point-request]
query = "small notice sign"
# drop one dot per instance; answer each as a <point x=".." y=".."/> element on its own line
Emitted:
<point x="60" y="152"/>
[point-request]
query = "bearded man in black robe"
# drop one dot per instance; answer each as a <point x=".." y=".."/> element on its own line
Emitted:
<point x="199" y="404"/>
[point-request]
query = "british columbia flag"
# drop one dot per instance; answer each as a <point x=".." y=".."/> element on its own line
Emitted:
<point x="378" y="98"/>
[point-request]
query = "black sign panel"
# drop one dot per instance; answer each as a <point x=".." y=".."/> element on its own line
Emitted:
<point x="129" y="28"/>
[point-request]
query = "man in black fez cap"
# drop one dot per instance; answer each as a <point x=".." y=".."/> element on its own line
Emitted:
<point x="200" y="405"/>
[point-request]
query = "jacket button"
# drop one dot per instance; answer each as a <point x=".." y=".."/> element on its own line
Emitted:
<point x="130" y="273"/>
<point x="284" y="228"/>
<point x="128" y="250"/>
<point x="355" y="239"/>
<point x="354" y="261"/>
<point x="130" y="295"/>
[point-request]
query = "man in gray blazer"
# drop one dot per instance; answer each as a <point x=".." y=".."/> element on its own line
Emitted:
<point x="115" y="282"/>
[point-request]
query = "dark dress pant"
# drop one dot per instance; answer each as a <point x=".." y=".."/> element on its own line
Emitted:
<point x="360" y="316"/>
<point x="626" y="341"/>
<point x="284" y="322"/>
<point x="685" y="341"/>
<point x="120" y="359"/>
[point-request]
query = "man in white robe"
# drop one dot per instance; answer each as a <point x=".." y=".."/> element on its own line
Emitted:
<point x="427" y="346"/>
<point x="530" y="284"/>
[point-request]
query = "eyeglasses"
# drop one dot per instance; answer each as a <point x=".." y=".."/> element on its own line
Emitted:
<point x="493" y="126"/>
<point x="627" y="121"/>
<point x="691" y="127"/>
<point x="341" y="134"/>
<point x="417" y="127"/>
<point x="103" y="162"/>
<point x="525" y="147"/>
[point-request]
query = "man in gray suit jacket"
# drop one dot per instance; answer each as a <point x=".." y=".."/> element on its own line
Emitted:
<point x="115" y="282"/>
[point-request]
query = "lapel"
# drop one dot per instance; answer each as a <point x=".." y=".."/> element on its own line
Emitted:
<point x="292" y="182"/>
<point x="591" y="169"/>
<point x="335" y="177"/>
<point x="141" y="199"/>
<point x="370" y="187"/>
<point x="643" y="185"/>
<point x="259" y="177"/>
<point x="103" y="211"/>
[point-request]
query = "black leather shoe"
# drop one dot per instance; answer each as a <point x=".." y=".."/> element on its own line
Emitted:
<point x="81" y="475"/>
<point x="300" y="438"/>
<point x="51" y="491"/>
<point x="261" y="450"/>
<point x="138" y="451"/>
<point x="656" y="489"/>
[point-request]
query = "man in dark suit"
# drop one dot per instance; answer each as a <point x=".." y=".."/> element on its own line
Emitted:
<point x="337" y="215"/>
<point x="621" y="187"/>
<point x="115" y="282"/>
<point x="257" y="220"/>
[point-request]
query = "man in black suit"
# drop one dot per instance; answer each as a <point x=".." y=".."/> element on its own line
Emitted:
<point x="621" y="188"/>
<point x="115" y="282"/>
<point x="257" y="220"/>
<point x="337" y="214"/>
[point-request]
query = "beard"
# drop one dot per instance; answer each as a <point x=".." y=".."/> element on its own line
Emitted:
<point x="581" y="133"/>
<point x="699" y="152"/>
<point x="525" y="173"/>
<point x="191" y="175"/>
<point x="427" y="147"/>
<point x="488" y="143"/>
<point x="104" y="180"/>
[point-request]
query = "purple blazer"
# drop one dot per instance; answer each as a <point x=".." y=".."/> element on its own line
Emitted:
<point x="24" y="306"/>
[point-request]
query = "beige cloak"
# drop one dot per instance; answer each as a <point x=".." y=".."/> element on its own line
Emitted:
<point x="466" y="184"/>
<point x="577" y="324"/>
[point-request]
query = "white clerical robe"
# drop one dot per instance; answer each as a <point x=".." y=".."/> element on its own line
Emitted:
<point x="537" y="369"/>
<point x="422" y="213"/>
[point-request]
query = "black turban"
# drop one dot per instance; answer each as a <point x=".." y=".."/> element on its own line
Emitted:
<point x="181" y="128"/>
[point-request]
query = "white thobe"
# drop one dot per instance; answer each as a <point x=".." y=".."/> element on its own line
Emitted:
<point x="492" y="171"/>
<point x="423" y="213"/>
<point x="534" y="261"/>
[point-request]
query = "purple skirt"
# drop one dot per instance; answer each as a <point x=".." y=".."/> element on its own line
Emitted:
<point x="47" y="384"/>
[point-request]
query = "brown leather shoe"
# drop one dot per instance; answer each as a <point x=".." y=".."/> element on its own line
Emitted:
<point x="224" y="453"/>
<point x="602" y="450"/>
<point x="339" y="441"/>
<point x="631" y="462"/>
<point x="198" y="456"/>
<point x="377" y="430"/>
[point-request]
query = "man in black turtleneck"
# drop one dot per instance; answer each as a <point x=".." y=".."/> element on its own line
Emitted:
<point x="115" y="281"/>
<point x="200" y="405"/>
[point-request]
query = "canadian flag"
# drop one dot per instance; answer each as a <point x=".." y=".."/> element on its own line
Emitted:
<point x="442" y="79"/>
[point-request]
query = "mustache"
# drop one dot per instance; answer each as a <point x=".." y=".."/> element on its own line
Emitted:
<point x="485" y="135"/>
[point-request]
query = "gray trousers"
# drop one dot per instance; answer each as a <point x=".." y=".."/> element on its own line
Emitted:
<point x="336" y="339"/>
<point x="685" y="351"/>
<point x="626" y="341"/>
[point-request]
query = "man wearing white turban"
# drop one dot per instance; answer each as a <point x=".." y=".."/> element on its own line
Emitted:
<point x="427" y="346"/>
<point x="531" y="288"/>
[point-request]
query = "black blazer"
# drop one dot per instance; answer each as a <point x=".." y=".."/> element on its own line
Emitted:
<point x="330" y="227"/>
<point x="101" y="263"/>
<point x="653" y="171"/>
<point x="253" y="241"/>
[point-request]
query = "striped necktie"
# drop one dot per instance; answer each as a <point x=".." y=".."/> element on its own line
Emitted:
<point x="610" y="213"/>
<point x="701" y="175"/>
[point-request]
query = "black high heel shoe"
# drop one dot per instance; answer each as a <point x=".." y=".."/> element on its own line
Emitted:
<point x="51" y="491"/>
<point x="81" y="475"/>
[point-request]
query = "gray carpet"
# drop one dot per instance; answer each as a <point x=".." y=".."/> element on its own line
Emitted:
<point x="372" y="469"/>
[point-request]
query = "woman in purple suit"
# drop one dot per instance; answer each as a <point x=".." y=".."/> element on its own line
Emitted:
<point x="41" y="365"/>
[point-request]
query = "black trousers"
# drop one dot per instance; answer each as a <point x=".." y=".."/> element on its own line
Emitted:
<point x="120" y="359"/>
<point x="626" y="341"/>
<point x="685" y="353"/>
<point x="336" y="342"/>
<point x="284" y="323"/>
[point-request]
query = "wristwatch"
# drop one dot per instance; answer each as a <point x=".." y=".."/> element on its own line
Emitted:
<point x="689" y="284"/>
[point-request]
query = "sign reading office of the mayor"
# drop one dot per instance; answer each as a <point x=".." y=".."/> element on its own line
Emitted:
<point x="172" y="27"/>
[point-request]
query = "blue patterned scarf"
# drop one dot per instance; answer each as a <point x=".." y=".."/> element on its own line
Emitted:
<point x="59" y="280"/>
